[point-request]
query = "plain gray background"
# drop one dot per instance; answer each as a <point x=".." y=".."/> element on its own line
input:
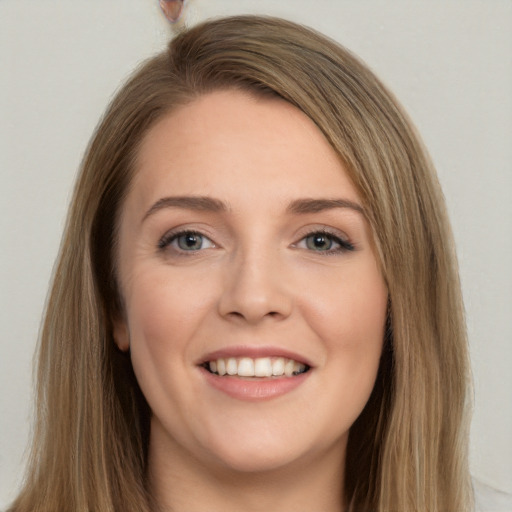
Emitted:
<point x="449" y="62"/>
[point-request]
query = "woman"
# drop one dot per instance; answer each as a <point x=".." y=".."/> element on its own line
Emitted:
<point x="256" y="303"/>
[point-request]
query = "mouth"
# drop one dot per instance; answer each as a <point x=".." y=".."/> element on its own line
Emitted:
<point x="255" y="368"/>
<point x="251" y="373"/>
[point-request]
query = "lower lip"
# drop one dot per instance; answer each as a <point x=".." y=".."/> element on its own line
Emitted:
<point x="255" y="389"/>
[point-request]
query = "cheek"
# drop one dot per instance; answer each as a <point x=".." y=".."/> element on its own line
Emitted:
<point x="152" y="324"/>
<point x="165" y="311"/>
<point x="162" y="308"/>
<point x="151" y="310"/>
<point x="349" y="308"/>
<point x="349" y="314"/>
<point x="163" y="315"/>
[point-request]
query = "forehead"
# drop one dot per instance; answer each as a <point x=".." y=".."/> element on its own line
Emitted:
<point x="232" y="143"/>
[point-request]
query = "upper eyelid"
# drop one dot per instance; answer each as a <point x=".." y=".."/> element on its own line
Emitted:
<point x="334" y="232"/>
<point x="186" y="228"/>
<point x="325" y="232"/>
<point x="329" y="234"/>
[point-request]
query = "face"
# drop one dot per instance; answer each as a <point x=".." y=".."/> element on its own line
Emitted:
<point x="254" y="304"/>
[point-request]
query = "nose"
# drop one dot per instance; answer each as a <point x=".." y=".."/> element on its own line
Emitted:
<point x="255" y="288"/>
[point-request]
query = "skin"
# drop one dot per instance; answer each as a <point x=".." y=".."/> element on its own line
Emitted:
<point x="256" y="281"/>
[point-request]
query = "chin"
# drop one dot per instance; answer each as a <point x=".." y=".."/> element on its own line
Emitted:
<point x="250" y="460"/>
<point x="268" y="449"/>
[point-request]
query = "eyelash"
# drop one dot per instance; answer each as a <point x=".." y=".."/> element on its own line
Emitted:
<point x="343" y="245"/>
<point x="169" y="238"/>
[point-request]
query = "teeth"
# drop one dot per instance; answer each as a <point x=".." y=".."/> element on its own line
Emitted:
<point x="278" y="366"/>
<point x="231" y="366"/>
<point x="246" y="367"/>
<point x="259" y="367"/>
<point x="221" y="366"/>
<point x="263" y="367"/>
<point x="288" y="367"/>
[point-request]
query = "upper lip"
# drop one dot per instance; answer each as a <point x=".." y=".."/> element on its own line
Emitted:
<point x="254" y="352"/>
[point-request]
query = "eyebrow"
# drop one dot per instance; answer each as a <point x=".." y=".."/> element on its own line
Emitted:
<point x="196" y="203"/>
<point x="304" y="206"/>
<point x="209" y="204"/>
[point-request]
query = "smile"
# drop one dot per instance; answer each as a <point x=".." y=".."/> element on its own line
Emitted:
<point x="255" y="373"/>
<point x="256" y="367"/>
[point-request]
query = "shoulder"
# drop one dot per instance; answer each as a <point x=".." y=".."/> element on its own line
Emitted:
<point x="488" y="499"/>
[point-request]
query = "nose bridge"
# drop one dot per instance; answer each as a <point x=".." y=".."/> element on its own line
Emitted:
<point x="255" y="285"/>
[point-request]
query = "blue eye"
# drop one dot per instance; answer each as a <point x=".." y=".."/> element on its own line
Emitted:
<point x="188" y="241"/>
<point x="321" y="241"/>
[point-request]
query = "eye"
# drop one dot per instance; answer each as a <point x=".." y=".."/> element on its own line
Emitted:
<point x="323" y="241"/>
<point x="187" y="241"/>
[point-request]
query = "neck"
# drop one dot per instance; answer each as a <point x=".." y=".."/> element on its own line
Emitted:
<point x="183" y="484"/>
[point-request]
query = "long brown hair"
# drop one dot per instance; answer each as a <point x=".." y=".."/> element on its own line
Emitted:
<point x="408" y="449"/>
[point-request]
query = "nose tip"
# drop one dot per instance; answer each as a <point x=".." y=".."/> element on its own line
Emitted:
<point x="253" y="313"/>
<point x="254" y="292"/>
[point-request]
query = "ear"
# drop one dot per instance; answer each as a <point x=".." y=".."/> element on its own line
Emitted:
<point x="121" y="334"/>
